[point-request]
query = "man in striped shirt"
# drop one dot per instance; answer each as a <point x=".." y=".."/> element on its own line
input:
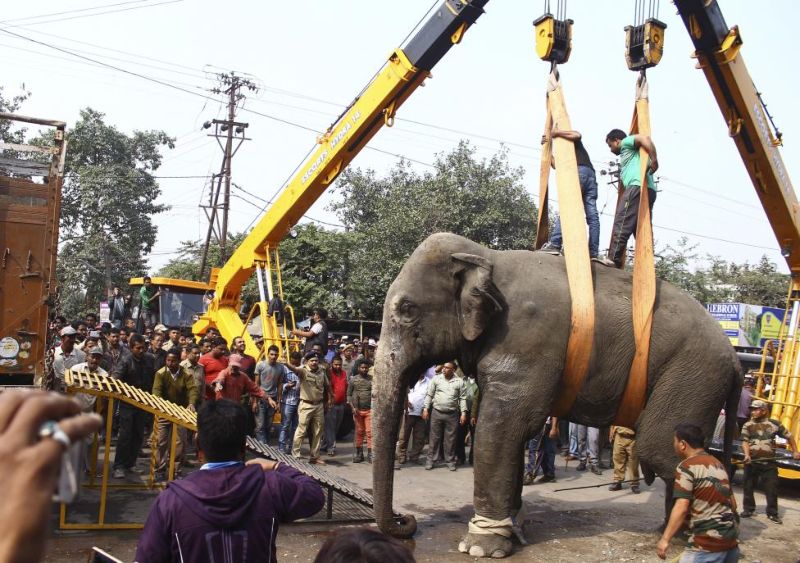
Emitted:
<point x="703" y="492"/>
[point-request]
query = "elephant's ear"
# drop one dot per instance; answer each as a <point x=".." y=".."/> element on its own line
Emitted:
<point x="477" y="298"/>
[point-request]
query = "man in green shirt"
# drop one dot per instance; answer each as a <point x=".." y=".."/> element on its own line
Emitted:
<point x="626" y="216"/>
<point x="175" y="384"/>
<point x="148" y="303"/>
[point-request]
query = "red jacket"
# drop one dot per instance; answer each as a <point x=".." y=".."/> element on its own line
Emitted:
<point x="234" y="386"/>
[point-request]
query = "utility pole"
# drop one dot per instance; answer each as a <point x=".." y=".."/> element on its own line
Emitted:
<point x="232" y="132"/>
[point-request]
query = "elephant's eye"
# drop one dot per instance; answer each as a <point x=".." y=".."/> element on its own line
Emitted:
<point x="408" y="310"/>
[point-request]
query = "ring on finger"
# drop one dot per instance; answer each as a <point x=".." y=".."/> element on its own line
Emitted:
<point x="51" y="429"/>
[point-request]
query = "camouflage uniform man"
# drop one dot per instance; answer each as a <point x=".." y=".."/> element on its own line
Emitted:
<point x="702" y="491"/>
<point x="758" y="442"/>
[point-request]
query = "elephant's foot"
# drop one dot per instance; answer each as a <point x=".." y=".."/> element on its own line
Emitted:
<point x="485" y="545"/>
<point x="487" y="537"/>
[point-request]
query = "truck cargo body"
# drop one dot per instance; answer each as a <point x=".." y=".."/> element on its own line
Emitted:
<point x="30" y="203"/>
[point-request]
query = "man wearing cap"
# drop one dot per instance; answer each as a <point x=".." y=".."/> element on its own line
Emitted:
<point x="173" y="339"/>
<point x="90" y="366"/>
<point x="758" y="444"/>
<point x="66" y="356"/>
<point x="745" y="399"/>
<point x="91" y="341"/>
<point x="87" y="401"/>
<point x="176" y="385"/>
<point x="314" y="388"/>
<point x="232" y="383"/>
<point x="346" y="354"/>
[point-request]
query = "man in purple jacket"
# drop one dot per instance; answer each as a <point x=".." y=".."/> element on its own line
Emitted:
<point x="227" y="510"/>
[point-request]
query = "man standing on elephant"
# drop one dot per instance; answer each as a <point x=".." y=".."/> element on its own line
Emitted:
<point x="627" y="214"/>
<point x="314" y="388"/>
<point x="588" y="182"/>
<point x="447" y="395"/>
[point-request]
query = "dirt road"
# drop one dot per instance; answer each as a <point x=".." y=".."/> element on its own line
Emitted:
<point x="590" y="525"/>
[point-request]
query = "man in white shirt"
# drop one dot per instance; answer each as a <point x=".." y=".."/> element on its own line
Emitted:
<point x="318" y="334"/>
<point x="87" y="401"/>
<point x="415" y="428"/>
<point x="66" y="356"/>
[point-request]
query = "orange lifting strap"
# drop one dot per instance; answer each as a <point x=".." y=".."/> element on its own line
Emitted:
<point x="644" y="275"/>
<point x="576" y="243"/>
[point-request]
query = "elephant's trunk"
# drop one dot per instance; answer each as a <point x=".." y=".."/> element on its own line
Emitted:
<point x="388" y="402"/>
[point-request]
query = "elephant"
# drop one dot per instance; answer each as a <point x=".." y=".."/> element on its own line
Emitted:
<point x="505" y="316"/>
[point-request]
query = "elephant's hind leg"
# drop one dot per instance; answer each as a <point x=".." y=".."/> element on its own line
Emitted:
<point x="682" y="394"/>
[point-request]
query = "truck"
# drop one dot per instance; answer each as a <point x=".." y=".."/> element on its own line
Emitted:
<point x="31" y="177"/>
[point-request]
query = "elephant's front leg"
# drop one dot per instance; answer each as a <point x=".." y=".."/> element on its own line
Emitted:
<point x="502" y="429"/>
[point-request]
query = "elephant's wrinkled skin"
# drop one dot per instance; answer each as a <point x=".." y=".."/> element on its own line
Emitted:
<point x="506" y="316"/>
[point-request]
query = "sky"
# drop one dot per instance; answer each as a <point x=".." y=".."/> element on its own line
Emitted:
<point x="310" y="58"/>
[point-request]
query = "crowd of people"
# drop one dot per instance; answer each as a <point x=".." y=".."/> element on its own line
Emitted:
<point x="315" y="391"/>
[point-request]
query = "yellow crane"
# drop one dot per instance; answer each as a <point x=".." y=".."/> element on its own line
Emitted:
<point x="717" y="49"/>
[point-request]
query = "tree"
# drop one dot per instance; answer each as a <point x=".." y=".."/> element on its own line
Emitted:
<point x="107" y="208"/>
<point x="11" y="105"/>
<point x="714" y="280"/>
<point x="313" y="272"/>
<point x="389" y="216"/>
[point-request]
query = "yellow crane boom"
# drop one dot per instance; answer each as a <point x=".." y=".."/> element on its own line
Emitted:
<point x="375" y="107"/>
<point x="750" y="126"/>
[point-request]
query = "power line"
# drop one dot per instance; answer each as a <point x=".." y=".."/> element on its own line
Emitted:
<point x="310" y="129"/>
<point x="92" y="15"/>
<point x="375" y="149"/>
<point x="102" y="6"/>
<point x="102" y="47"/>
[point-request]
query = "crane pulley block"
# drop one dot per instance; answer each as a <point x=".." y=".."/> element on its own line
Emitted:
<point x="644" y="44"/>
<point x="553" y="39"/>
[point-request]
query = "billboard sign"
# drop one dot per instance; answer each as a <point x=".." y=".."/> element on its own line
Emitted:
<point x="747" y="325"/>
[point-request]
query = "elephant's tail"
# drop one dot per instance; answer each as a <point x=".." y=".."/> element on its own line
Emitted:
<point x="731" y="406"/>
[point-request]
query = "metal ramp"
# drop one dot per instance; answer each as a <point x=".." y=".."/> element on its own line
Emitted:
<point x="345" y="501"/>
